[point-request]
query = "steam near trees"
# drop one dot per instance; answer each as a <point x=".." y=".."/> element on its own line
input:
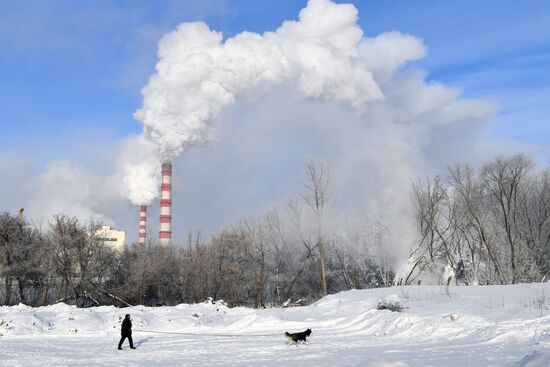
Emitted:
<point x="475" y="226"/>
<point x="485" y="226"/>
<point x="284" y="254"/>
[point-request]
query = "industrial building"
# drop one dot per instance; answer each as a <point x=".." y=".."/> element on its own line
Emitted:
<point x="112" y="237"/>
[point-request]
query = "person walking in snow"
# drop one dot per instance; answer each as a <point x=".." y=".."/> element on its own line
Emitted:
<point x="126" y="332"/>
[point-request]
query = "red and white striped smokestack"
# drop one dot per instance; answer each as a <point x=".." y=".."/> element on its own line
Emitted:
<point x="165" y="233"/>
<point x="142" y="223"/>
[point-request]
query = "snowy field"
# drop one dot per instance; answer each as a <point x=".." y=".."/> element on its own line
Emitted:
<point x="461" y="326"/>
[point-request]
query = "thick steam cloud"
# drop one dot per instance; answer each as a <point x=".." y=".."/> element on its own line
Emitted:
<point x="139" y="165"/>
<point x="198" y="73"/>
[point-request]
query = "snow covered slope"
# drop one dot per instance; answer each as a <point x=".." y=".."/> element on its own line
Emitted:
<point x="459" y="326"/>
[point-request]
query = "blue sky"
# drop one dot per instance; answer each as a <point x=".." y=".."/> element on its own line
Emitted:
<point x="72" y="69"/>
<point x="71" y="74"/>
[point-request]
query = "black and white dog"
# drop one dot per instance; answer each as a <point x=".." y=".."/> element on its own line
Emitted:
<point x="297" y="338"/>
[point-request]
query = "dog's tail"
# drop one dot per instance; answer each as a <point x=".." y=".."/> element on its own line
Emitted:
<point x="286" y="333"/>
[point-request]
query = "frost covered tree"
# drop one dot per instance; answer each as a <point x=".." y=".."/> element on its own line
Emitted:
<point x="19" y="245"/>
<point x="489" y="226"/>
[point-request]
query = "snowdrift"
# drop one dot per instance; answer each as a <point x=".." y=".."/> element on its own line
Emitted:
<point x="439" y="326"/>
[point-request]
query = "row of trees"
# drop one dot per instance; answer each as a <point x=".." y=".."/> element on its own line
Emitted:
<point x="284" y="255"/>
<point x="485" y="226"/>
<point x="60" y="264"/>
<point x="255" y="263"/>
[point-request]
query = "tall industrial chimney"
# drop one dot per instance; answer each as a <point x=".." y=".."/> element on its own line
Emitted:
<point x="142" y="223"/>
<point x="165" y="233"/>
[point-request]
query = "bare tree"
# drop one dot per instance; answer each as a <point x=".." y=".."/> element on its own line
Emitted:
<point x="488" y="227"/>
<point x="18" y="250"/>
<point x="295" y="211"/>
<point x="471" y="194"/>
<point x="316" y="195"/>
<point x="76" y="252"/>
<point x="505" y="180"/>
<point x="278" y="243"/>
<point x="255" y="246"/>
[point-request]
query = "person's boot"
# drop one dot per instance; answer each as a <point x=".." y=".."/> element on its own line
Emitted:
<point x="132" y="347"/>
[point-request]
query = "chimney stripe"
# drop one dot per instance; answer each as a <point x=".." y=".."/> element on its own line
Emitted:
<point x="165" y="219"/>
<point x="142" y="223"/>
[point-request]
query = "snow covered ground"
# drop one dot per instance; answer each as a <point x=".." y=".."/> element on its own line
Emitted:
<point x="461" y="326"/>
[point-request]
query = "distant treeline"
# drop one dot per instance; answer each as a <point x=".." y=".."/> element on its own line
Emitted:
<point x="258" y="262"/>
<point x="475" y="226"/>
<point x="249" y="265"/>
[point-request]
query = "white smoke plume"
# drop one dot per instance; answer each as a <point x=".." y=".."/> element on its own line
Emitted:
<point x="198" y="73"/>
<point x="139" y="165"/>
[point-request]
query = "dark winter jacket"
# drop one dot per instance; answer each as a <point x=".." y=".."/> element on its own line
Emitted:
<point x="126" y="329"/>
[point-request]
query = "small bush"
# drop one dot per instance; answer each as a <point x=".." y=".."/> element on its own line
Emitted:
<point x="391" y="302"/>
